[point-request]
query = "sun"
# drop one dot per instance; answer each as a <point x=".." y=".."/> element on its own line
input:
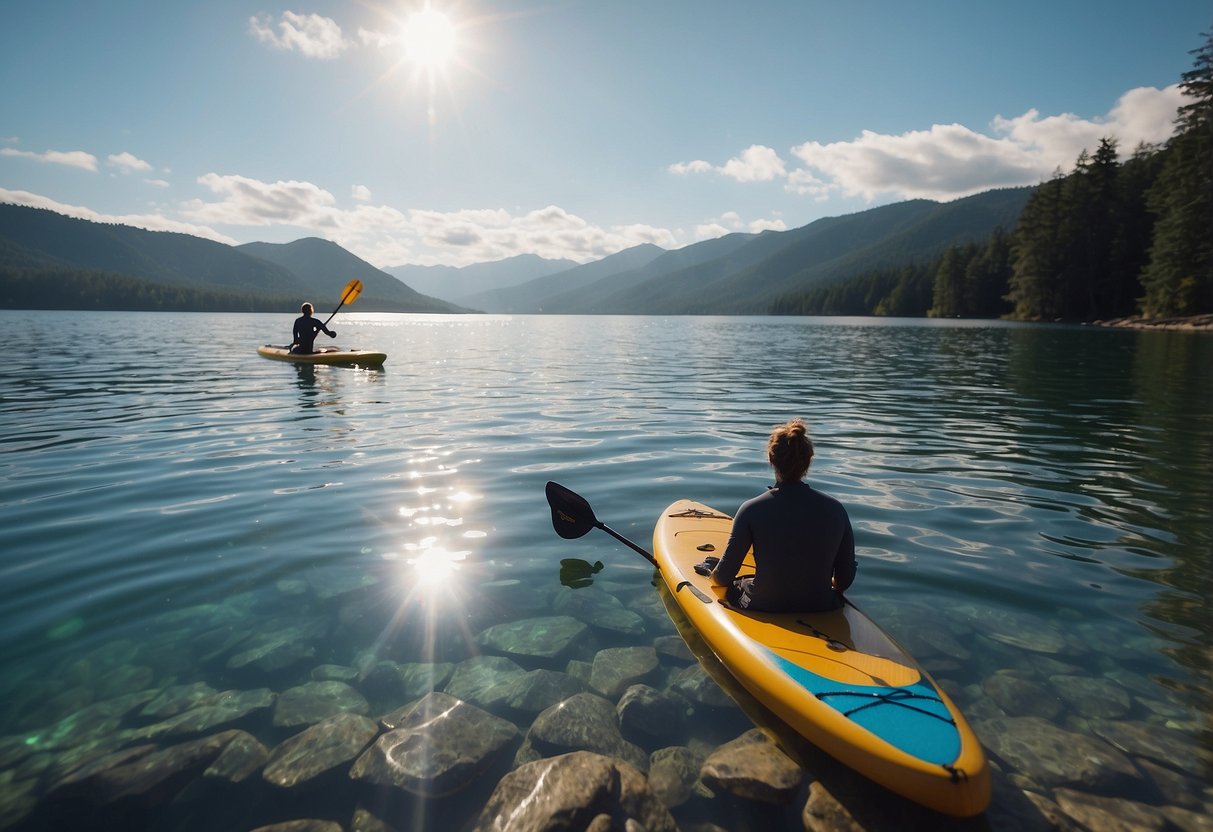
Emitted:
<point x="429" y="39"/>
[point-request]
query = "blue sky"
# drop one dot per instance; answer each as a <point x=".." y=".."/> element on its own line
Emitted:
<point x="561" y="128"/>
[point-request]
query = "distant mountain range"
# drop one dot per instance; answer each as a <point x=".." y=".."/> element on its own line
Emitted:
<point x="460" y="284"/>
<point x="735" y="274"/>
<point x="37" y="240"/>
<point x="746" y="273"/>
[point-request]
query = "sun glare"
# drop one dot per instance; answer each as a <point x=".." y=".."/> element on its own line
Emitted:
<point x="429" y="39"/>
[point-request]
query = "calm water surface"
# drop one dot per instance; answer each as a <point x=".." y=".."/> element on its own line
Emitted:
<point x="1032" y="507"/>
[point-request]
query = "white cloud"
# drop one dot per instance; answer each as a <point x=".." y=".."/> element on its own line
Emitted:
<point x="159" y="183"/>
<point x="152" y="222"/>
<point x="361" y="193"/>
<point x="945" y="162"/>
<point x="71" y="158"/>
<point x="731" y="222"/>
<point x="948" y="161"/>
<point x="387" y="236"/>
<point x="313" y="35"/>
<point x="127" y="163"/>
<point x="697" y="166"/>
<point x="757" y="163"/>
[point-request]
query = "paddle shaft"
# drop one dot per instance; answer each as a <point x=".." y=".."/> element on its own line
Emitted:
<point x="628" y="543"/>
<point x="352" y="290"/>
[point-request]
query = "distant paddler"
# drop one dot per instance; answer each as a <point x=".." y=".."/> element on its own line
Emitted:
<point x="307" y="327"/>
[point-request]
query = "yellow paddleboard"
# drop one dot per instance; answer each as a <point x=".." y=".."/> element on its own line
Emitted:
<point x="325" y="355"/>
<point x="835" y="677"/>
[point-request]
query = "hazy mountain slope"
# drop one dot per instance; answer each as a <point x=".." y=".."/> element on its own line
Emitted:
<point x="462" y="284"/>
<point x="533" y="295"/>
<point x="324" y="268"/>
<point x="590" y="299"/>
<point x="829" y="250"/>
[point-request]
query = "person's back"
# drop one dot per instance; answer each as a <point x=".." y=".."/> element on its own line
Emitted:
<point x="305" y="330"/>
<point x="802" y="540"/>
<point x="804" y="547"/>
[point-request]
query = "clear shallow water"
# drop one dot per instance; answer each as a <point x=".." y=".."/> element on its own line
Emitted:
<point x="1040" y="495"/>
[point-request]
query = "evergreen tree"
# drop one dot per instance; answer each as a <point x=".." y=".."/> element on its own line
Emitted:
<point x="948" y="296"/>
<point x="988" y="275"/>
<point x="1037" y="255"/>
<point x="1179" y="277"/>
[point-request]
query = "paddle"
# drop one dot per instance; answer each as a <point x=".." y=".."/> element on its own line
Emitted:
<point x="572" y="517"/>
<point x="352" y="290"/>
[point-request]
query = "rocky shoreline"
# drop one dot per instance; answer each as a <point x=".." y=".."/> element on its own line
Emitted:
<point x="585" y="710"/>
<point x="1191" y="323"/>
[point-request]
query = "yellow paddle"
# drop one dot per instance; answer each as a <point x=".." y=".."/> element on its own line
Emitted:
<point x="352" y="290"/>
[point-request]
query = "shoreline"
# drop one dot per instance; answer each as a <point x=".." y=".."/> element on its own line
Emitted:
<point x="1190" y="323"/>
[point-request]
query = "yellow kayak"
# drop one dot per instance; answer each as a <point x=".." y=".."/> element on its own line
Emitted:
<point x="836" y="678"/>
<point x="325" y="355"/>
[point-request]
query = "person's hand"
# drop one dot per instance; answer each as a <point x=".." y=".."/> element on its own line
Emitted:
<point x="333" y="333"/>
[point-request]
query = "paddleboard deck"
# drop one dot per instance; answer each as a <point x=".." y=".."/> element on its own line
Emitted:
<point x="325" y="355"/>
<point x="834" y="677"/>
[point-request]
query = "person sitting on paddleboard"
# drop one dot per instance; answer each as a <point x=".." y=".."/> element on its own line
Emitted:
<point x="804" y="548"/>
<point x="306" y="328"/>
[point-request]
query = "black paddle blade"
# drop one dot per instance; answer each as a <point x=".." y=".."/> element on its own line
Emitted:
<point x="572" y="516"/>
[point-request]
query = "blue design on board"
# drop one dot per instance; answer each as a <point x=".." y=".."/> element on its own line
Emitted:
<point x="895" y="714"/>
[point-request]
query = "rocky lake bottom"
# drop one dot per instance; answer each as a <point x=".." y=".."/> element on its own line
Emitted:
<point x="578" y="708"/>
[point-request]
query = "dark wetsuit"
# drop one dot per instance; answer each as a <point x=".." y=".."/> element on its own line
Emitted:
<point x="306" y="328"/>
<point x="801" y="538"/>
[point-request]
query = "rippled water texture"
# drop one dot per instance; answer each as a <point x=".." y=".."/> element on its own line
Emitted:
<point x="1032" y="507"/>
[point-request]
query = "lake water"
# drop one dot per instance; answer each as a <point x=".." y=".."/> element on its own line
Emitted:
<point x="1033" y="508"/>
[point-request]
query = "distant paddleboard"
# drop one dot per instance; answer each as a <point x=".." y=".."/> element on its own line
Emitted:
<point x="325" y="355"/>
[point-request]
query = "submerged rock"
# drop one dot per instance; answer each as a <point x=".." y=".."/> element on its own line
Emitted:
<point x="1110" y="814"/>
<point x="224" y="709"/>
<point x="1092" y="697"/>
<point x="650" y="717"/>
<point x="617" y="668"/>
<point x="312" y="702"/>
<point x="334" y="581"/>
<point x="390" y="682"/>
<point x="696" y="685"/>
<point x="280" y="643"/>
<point x="1159" y="743"/>
<point x="754" y="768"/>
<point x="673" y="647"/>
<point x="475" y="680"/>
<point x="575" y="791"/>
<point x="334" y="673"/>
<point x="240" y="758"/>
<point x="598" y="609"/>
<point x="673" y="774"/>
<point x="583" y="722"/>
<point x="321" y="748"/>
<point x="1053" y="757"/>
<point x="163" y="771"/>
<point x="302" y="825"/>
<point x="1018" y="695"/>
<point x="178" y="699"/>
<point x="534" y="692"/>
<point x="550" y="638"/>
<point x="1018" y="630"/>
<point x="440" y="746"/>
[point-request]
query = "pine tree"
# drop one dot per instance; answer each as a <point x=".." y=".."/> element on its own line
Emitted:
<point x="1179" y="277"/>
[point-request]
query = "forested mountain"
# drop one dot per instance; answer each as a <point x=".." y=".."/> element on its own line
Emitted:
<point x="746" y="273"/>
<point x="462" y="284"/>
<point x="49" y="260"/>
<point x="318" y="263"/>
